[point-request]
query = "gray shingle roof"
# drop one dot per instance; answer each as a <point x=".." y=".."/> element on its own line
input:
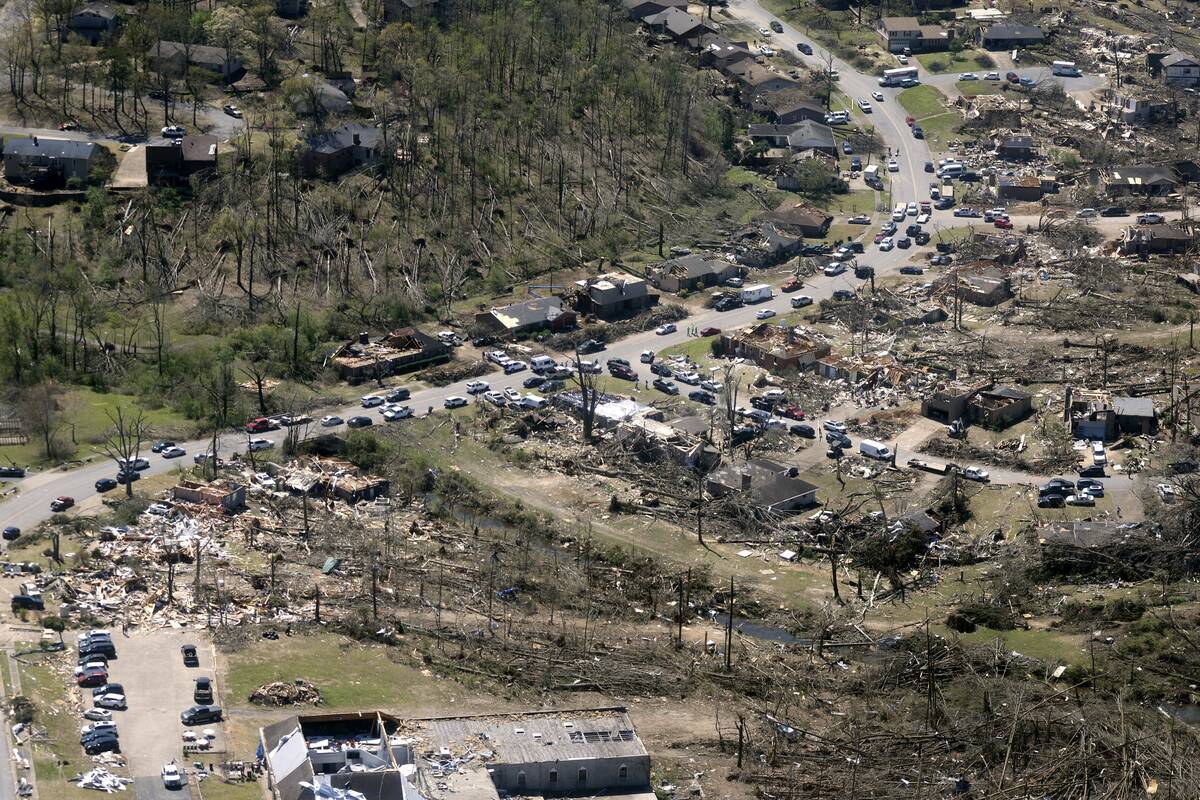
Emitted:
<point x="51" y="148"/>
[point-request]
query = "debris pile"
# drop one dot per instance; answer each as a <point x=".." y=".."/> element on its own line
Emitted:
<point x="102" y="780"/>
<point x="287" y="693"/>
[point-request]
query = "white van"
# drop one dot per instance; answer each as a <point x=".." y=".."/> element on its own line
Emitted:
<point x="899" y="212"/>
<point x="951" y="170"/>
<point x="532" y="401"/>
<point x="873" y="449"/>
<point x="647" y="357"/>
<point x="542" y="363"/>
<point x="1098" y="454"/>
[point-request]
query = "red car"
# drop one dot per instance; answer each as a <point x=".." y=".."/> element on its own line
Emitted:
<point x="792" y="285"/>
<point x="879" y="237"/>
<point x="261" y="425"/>
<point x="793" y="412"/>
<point x="911" y="121"/>
<point x="91" y="678"/>
<point x="1003" y="223"/>
<point x="709" y="331"/>
<point x="61" y="503"/>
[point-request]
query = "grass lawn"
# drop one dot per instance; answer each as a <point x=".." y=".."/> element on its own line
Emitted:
<point x="940" y="129"/>
<point x="217" y="789"/>
<point x="843" y="231"/>
<point x="965" y="61"/>
<point x="88" y="411"/>
<point x="861" y="201"/>
<point x="976" y="88"/>
<point x="58" y="756"/>
<point x="922" y="101"/>
<point x="698" y="349"/>
<point x="1049" y="646"/>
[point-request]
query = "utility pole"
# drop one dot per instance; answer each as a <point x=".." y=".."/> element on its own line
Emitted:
<point x="317" y="597"/>
<point x="374" y="588"/>
<point x="729" y="630"/>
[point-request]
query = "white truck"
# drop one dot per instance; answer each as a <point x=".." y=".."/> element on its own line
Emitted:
<point x="871" y="175"/>
<point x="894" y="77"/>
<point x="1065" y="68"/>
<point x="757" y="293"/>
<point x="873" y="449"/>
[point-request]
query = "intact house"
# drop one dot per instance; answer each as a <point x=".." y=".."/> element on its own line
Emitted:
<point x="38" y="161"/>
<point x="640" y="9"/>
<point x="717" y="52"/>
<point x="318" y="97"/>
<point x="371" y="755"/>
<point x="679" y="25"/>
<point x="336" y="151"/>
<point x="799" y="137"/>
<point x="94" y="23"/>
<point x="176" y="57"/>
<point x="899" y="33"/>
<point x="401" y="350"/>
<point x="691" y="272"/>
<point x="1025" y="188"/>
<point x="527" y="316"/>
<point x="1145" y="240"/>
<point x="769" y="486"/>
<point x="613" y="296"/>
<point x="982" y="403"/>
<point x="408" y="10"/>
<point x="1180" y="69"/>
<point x="788" y="108"/>
<point x="756" y="81"/>
<point x="1009" y="36"/>
<point x="1102" y="416"/>
<point x="167" y="162"/>
<point x="1152" y="181"/>
<point x="773" y="347"/>
<point x="1017" y="148"/>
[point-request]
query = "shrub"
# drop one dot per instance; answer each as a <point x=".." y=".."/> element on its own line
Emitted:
<point x="967" y="618"/>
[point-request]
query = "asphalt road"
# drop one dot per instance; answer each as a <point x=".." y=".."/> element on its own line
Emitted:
<point x="1084" y="83"/>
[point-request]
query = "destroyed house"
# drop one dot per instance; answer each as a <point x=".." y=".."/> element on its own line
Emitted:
<point x="768" y="485"/>
<point x="611" y="410"/>
<point x="980" y="284"/>
<point x="226" y="495"/>
<point x="1156" y="239"/>
<point x="1098" y="415"/>
<point x="613" y="295"/>
<point x="1016" y="148"/>
<point x="1020" y="187"/>
<point x="763" y="244"/>
<point x="901" y="32"/>
<point x="1009" y="36"/>
<point x="399" y="351"/>
<point x="1000" y="407"/>
<point x="1153" y="181"/>
<point x="526" y="317"/>
<point x="999" y="248"/>
<point x="375" y="756"/>
<point x="773" y="347"/>
<point x="875" y="370"/>
<point x="949" y="403"/>
<point x="1081" y="548"/>
<point x="332" y="477"/>
<point x="691" y="272"/>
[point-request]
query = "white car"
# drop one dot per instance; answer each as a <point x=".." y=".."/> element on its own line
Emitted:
<point x="800" y="301"/>
<point x="647" y="357"/>
<point x="976" y="474"/>
<point x="766" y="51"/>
<point x="396" y="412"/>
<point x="903" y="59"/>
<point x="98" y="715"/>
<point x="664" y="329"/>
<point x="495" y="398"/>
<point x="764" y="313"/>
<point x="1083" y="499"/>
<point x="98" y="726"/>
<point x="1167" y="492"/>
<point x="255" y="445"/>
<point x="865" y="106"/>
<point x="712" y="386"/>
<point x="174" y="452"/>
<point x="477" y="387"/>
<point x="877" y="96"/>
<point x="911" y="210"/>
<point x="330" y="421"/>
<point x="496" y="357"/>
<point x="764" y="32"/>
<point x="893" y="166"/>
<point x="159" y="509"/>
<point x="992" y="76"/>
<point x="172" y="778"/>
<point x="922" y="218"/>
<point x="833" y="426"/>
<point x="690" y="378"/>
<point x="512" y="395"/>
<point x="371" y="400"/>
<point x="173" y="131"/>
<point x="887" y="244"/>
<point x="113" y="701"/>
<point x="1085" y="213"/>
<point x="968" y="76"/>
<point x="454" y="401"/>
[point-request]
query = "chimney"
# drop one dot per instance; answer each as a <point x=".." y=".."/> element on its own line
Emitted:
<point x="745" y="481"/>
<point x="357" y="139"/>
<point x="364" y="338"/>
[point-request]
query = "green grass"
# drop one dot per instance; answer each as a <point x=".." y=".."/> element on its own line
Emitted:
<point x="1048" y="646"/>
<point x="977" y="88"/>
<point x="216" y="789"/>
<point x="350" y="675"/>
<point x="697" y="349"/>
<point x="942" y="129"/>
<point x="861" y="201"/>
<point x="58" y="756"/>
<point x="922" y="101"/>
<point x="965" y="61"/>
<point x="89" y="411"/>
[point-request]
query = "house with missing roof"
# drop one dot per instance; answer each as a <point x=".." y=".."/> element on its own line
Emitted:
<point x="370" y="755"/>
<point x="336" y="151"/>
<point x="1009" y="36"/>
<point x="613" y="295"/>
<point x="691" y="272"/>
<point x="527" y="316"/>
<point x="768" y="485"/>
<point x="168" y="162"/>
<point x="1099" y="415"/>
<point x="42" y="162"/>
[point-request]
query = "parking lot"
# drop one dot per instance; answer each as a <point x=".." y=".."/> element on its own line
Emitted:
<point x="158" y="687"/>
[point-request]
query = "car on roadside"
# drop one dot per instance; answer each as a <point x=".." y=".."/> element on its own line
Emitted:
<point x="1166" y="492"/>
<point x="776" y="26"/>
<point x="887" y="244"/>
<point x="712" y="386"/>
<point x="859" y="219"/>
<point x="12" y="472"/>
<point x="1086" y="213"/>
<point x="172" y="778"/>
<point x="904" y="243"/>
<point x="495" y="398"/>
<point x="396" y="412"/>
<point x="232" y="110"/>
<point x="98" y="714"/>
<point x="1114" y="211"/>
<point x="1092" y="471"/>
<point x="190" y="655"/>
<point x="1051" y="501"/>
<point x="968" y="76"/>
<point x="173" y="131"/>
<point x="108" y="744"/>
<point x="174" y="452"/>
<point x="331" y="421"/>
<point x="701" y="396"/>
<point x="11" y="533"/>
<point x="665" y="328"/>
<point x="966" y="212"/>
<point x="892" y="166"/>
<point x="398" y="395"/>
<point x="371" y="400"/>
<point x="202" y="692"/>
<point x="477" y="387"/>
<point x="665" y="385"/>
<point x="806" y="431"/>
<point x="976" y="474"/>
<point x="1027" y="82"/>
<point x="911" y="269"/>
<point x="800" y="301"/>
<point x="1151" y="219"/>
<point x="591" y="346"/>
<point x="1003" y="224"/>
<point x="533" y="381"/>
<point x="764" y="313"/>
<point x="710" y="330"/>
<point x="200" y="715"/>
<point x="992" y="76"/>
<point x="61" y="503"/>
<point x="108" y="688"/>
<point x="804" y="47"/>
<point x="877" y="96"/>
<point x="941" y="260"/>
<point x="258" y="445"/>
<point x="106" y="485"/>
<point x="158" y="447"/>
<point x="454" y="401"/>
<point x="1082" y="499"/>
<point x="112" y="701"/>
<point x="1090" y="485"/>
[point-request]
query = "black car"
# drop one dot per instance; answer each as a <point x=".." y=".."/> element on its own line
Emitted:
<point x="618" y="362"/>
<point x="397" y="395"/>
<point x="945" y="247"/>
<point x="856" y="247"/>
<point x="190" y="658"/>
<point x="942" y="203"/>
<point x="904" y="243"/>
<point x="666" y="386"/>
<point x="533" y="381"/>
<point x="661" y="369"/>
<point x="762" y="403"/>
<point x="941" y="261"/>
<point x="12" y="472"/>
<point x="200" y="715"/>
<point x="804" y="47"/>
<point x="591" y="346"/>
<point x="158" y="447"/>
<point x="24" y="601"/>
<point x="816" y="250"/>
<point x="554" y="385"/>
<point x="85" y="657"/>
<point x="1093" y="471"/>
<point x="800" y="429"/>
<point x="101" y="651"/>
<point x="921" y="238"/>
<point x="11" y="533"/>
<point x="909" y="269"/>
<point x="969" y="176"/>
<point x="701" y="396"/>
<point x="864" y="272"/>
<point x="912" y="230"/>
<point x="1114" y="211"/>
<point x="837" y="439"/>
<point x="726" y="303"/>
<point x="1057" y="486"/>
<point x="843" y="294"/>
<point x="98" y="735"/>
<point x="106" y="484"/>
<point x="108" y="688"/>
<point x="124" y="477"/>
<point x="203" y="693"/>
<point x="359" y="422"/>
<point x="106" y="744"/>
<point x="1051" y="501"/>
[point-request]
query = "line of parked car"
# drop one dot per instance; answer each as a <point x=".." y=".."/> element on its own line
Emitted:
<point x="100" y="734"/>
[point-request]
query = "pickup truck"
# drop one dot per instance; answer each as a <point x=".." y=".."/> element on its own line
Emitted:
<point x="937" y="469"/>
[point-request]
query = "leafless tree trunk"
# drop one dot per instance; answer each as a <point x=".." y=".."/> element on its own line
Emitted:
<point x="123" y="442"/>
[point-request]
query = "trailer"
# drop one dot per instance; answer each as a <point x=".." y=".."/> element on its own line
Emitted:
<point x="936" y="469"/>
<point x="871" y="175"/>
<point x="894" y="77"/>
<point x="757" y="293"/>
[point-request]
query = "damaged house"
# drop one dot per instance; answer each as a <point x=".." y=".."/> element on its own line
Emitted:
<point x="1146" y="240"/>
<point x="982" y="283"/>
<point x="756" y="81"/>
<point x="226" y="495"/>
<point x="982" y="403"/>
<point x="1150" y="181"/>
<point x="773" y="347"/>
<point x="1009" y="36"/>
<point x="691" y="272"/>
<point x="332" y="477"/>
<point x="799" y="137"/>
<point x="900" y="33"/>
<point x="613" y="295"/>
<point x="526" y="317"/>
<point x="370" y="755"/>
<point x="399" y="351"/>
<point x="769" y="486"/>
<point x="764" y="244"/>
<point x="1101" y="416"/>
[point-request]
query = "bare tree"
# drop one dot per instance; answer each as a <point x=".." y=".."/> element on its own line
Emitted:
<point x="731" y="384"/>
<point x="42" y="414"/>
<point x="589" y="397"/>
<point x="123" y="441"/>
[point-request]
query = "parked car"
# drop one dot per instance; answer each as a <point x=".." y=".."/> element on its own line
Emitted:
<point x="662" y="369"/>
<point x="805" y="48"/>
<point x="98" y="714"/>
<point x="202" y="693"/>
<point x="12" y="472"/>
<point x="764" y="313"/>
<point x="454" y="401"/>
<point x="158" y="447"/>
<point x="397" y="412"/>
<point x="200" y="715"/>
<point x="11" y="533"/>
<point x="1092" y="471"/>
<point x="968" y="76"/>
<point x="495" y="398"/>
<point x="533" y="381"/>
<point x="976" y="474"/>
<point x="776" y="26"/>
<point x="61" y="503"/>
<point x="801" y="429"/>
<point x="371" y="400"/>
<point x="232" y="111"/>
<point x="1085" y="213"/>
<point x="664" y="329"/>
<point x="174" y="452"/>
<point x="258" y="445"/>
<point x="859" y="219"/>
<point x="172" y="778"/>
<point x="398" y="395"/>
<point x="666" y="386"/>
<point x="107" y="688"/>
<point x="27" y="602"/>
<point x="800" y="301"/>
<point x="106" y="485"/>
<point x="904" y="243"/>
<point x="911" y="269"/>
<point x="1167" y="492"/>
<point x="1083" y="499"/>
<point x="173" y="131"/>
<point x="591" y="346"/>
<point x="330" y="421"/>
<point x="1151" y="219"/>
<point x="1051" y="501"/>
<point x="109" y="744"/>
<point x="701" y="396"/>
<point x="1113" y="211"/>
<point x="190" y="656"/>
<point x="710" y="330"/>
<point x="115" y="702"/>
<point x="992" y="76"/>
